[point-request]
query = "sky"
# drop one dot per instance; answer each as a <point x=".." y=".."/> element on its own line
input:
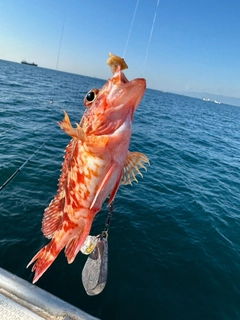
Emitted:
<point x="195" y="44"/>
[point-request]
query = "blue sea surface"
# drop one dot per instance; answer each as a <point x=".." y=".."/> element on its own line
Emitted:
<point x="174" y="239"/>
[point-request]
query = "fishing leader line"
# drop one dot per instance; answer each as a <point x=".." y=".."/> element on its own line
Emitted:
<point x="59" y="49"/>
<point x="150" y="37"/>
<point x="60" y="43"/>
<point x="130" y="29"/>
<point x="95" y="270"/>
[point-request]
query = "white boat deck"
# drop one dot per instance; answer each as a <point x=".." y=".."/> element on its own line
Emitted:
<point x="20" y="300"/>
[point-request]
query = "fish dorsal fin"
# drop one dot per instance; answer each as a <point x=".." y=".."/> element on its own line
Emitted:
<point x="133" y="162"/>
<point x="54" y="212"/>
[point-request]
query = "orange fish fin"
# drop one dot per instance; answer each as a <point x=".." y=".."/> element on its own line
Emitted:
<point x="72" y="248"/>
<point x="52" y="218"/>
<point x="77" y="133"/>
<point x="133" y="162"/>
<point x="113" y="194"/>
<point x="45" y="258"/>
<point x="75" y="243"/>
<point x="102" y="185"/>
<point x="54" y="213"/>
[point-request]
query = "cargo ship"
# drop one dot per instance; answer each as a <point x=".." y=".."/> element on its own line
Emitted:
<point x="28" y="63"/>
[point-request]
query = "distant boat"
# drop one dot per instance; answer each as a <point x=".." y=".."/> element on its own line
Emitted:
<point x="218" y="102"/>
<point x="30" y="64"/>
<point x="205" y="99"/>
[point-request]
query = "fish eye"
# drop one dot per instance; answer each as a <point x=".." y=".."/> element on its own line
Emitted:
<point x="90" y="97"/>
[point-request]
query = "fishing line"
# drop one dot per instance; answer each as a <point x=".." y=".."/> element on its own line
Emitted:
<point x="51" y="101"/>
<point x="60" y="44"/>
<point x="150" y="37"/>
<point x="23" y="143"/>
<point x="109" y="216"/>
<point x="21" y="167"/>
<point x="2" y="133"/>
<point x="130" y="30"/>
<point x="59" y="48"/>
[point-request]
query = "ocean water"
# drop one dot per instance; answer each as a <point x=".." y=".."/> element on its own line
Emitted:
<point x="174" y="239"/>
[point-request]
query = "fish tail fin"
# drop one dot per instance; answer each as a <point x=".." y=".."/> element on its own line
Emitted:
<point x="44" y="258"/>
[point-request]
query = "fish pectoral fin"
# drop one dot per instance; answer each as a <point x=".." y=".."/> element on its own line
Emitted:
<point x="76" y="133"/>
<point x="133" y="162"/>
<point x="73" y="246"/>
<point x="115" y="189"/>
<point x="102" y="185"/>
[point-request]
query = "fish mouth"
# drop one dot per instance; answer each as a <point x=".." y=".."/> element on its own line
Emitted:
<point x="125" y="92"/>
<point x="123" y="77"/>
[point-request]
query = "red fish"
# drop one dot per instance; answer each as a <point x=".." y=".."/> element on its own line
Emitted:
<point x="96" y="162"/>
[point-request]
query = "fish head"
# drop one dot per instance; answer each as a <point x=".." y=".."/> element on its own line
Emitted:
<point x="109" y="107"/>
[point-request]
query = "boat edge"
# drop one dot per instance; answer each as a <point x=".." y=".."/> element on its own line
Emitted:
<point x="38" y="300"/>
